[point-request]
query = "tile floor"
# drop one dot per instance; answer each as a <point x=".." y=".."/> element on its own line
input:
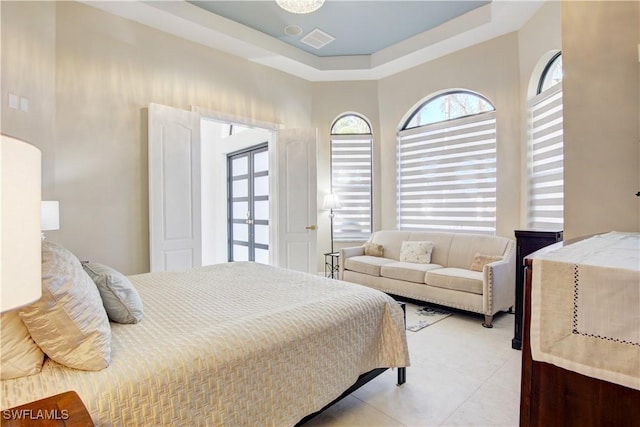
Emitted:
<point x="461" y="374"/>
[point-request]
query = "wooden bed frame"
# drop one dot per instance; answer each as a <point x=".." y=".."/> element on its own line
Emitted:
<point x="553" y="396"/>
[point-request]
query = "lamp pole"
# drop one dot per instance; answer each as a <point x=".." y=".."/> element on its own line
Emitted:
<point x="331" y="217"/>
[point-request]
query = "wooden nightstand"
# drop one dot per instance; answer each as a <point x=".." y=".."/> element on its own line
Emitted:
<point x="65" y="409"/>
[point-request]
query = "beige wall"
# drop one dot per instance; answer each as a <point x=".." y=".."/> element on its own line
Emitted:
<point x="601" y="116"/>
<point x="491" y="69"/>
<point x="107" y="70"/>
<point x="28" y="71"/>
<point x="331" y="99"/>
<point x="538" y="40"/>
<point x="89" y="75"/>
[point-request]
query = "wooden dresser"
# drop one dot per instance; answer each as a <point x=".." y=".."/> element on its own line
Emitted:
<point x="527" y="241"/>
<point x="552" y="396"/>
<point x="62" y="410"/>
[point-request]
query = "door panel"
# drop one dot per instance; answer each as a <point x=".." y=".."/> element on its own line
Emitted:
<point x="297" y="239"/>
<point x="175" y="241"/>
<point x="249" y="204"/>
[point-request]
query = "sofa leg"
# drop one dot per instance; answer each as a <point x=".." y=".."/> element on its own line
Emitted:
<point x="488" y="321"/>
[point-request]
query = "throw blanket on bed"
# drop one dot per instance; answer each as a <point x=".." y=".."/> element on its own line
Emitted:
<point x="238" y="344"/>
<point x="585" y="308"/>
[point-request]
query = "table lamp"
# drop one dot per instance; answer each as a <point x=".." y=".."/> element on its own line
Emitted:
<point x="49" y="216"/>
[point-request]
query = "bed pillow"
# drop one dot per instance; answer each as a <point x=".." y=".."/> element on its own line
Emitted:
<point x="480" y="260"/>
<point x="69" y="322"/>
<point x="373" y="249"/>
<point x="20" y="356"/>
<point x="416" y="251"/>
<point x="120" y="299"/>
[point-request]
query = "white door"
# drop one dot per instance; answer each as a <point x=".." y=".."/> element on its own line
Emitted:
<point x="175" y="240"/>
<point x="297" y="239"/>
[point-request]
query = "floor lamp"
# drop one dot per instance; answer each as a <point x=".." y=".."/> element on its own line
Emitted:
<point x="331" y="202"/>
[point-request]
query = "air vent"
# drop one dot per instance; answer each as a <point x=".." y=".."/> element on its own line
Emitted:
<point x="292" y="30"/>
<point x="317" y="39"/>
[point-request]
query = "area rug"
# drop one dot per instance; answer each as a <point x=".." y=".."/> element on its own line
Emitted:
<point x="419" y="317"/>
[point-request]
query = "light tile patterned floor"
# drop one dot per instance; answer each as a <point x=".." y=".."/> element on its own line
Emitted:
<point x="461" y="375"/>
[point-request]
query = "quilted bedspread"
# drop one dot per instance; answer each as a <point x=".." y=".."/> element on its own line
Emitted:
<point x="239" y="344"/>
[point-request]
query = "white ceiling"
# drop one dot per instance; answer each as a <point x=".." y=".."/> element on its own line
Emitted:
<point x="379" y="43"/>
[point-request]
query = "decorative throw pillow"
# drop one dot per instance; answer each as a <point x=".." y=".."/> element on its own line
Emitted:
<point x="479" y="261"/>
<point x="120" y="299"/>
<point x="20" y="356"/>
<point x="373" y="249"/>
<point x="416" y="251"/>
<point x="69" y="322"/>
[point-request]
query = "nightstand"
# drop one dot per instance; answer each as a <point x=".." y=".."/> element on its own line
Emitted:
<point x="332" y="264"/>
<point x="65" y="409"/>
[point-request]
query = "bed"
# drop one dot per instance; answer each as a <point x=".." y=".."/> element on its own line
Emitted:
<point x="231" y="344"/>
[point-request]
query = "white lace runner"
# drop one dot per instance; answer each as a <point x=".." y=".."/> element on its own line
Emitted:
<point x="585" y="308"/>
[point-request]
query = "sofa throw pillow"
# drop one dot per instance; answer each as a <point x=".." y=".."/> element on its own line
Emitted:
<point x="416" y="251"/>
<point x="69" y="322"/>
<point x="120" y="299"/>
<point x="480" y="260"/>
<point x="20" y="356"/>
<point x="373" y="249"/>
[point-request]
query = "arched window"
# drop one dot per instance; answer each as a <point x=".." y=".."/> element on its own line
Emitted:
<point x="447" y="165"/>
<point x="552" y="73"/>
<point x="351" y="147"/>
<point x="545" y="161"/>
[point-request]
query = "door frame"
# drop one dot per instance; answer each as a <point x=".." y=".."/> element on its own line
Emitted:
<point x="248" y="150"/>
<point x="272" y="144"/>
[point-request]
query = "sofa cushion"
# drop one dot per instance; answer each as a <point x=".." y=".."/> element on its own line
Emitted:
<point x="457" y="279"/>
<point x="465" y="246"/>
<point x="366" y="264"/>
<point x="391" y="240"/>
<point x="373" y="249"/>
<point x="417" y="251"/>
<point x="480" y="260"/>
<point x="407" y="271"/>
<point x="441" y="244"/>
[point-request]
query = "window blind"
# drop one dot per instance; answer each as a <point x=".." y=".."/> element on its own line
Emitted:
<point x="447" y="176"/>
<point x="351" y="182"/>
<point x="546" y="161"/>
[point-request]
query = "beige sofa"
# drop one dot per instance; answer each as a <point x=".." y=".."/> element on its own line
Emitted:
<point x="447" y="279"/>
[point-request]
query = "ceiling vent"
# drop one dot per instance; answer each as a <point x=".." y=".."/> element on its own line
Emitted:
<point x="317" y="39"/>
<point x="292" y="30"/>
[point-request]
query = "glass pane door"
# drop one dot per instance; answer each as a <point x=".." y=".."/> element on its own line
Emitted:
<point x="248" y="173"/>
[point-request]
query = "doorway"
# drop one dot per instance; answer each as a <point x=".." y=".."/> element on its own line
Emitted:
<point x="248" y="204"/>
<point x="191" y="147"/>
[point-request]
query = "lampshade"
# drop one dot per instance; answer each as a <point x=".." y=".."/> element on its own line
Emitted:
<point x="20" y="251"/>
<point x="331" y="201"/>
<point x="300" y="6"/>
<point x="49" y="215"/>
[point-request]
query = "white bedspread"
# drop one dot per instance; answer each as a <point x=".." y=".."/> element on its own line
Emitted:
<point x="585" y="308"/>
<point x="238" y="344"/>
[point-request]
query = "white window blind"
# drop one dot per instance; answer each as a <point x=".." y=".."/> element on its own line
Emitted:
<point x="351" y="182"/>
<point x="447" y="176"/>
<point x="546" y="161"/>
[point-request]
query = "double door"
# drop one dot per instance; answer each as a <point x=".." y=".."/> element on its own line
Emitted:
<point x="248" y="210"/>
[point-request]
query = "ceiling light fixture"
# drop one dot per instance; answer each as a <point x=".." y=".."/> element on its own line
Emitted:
<point x="300" y="6"/>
